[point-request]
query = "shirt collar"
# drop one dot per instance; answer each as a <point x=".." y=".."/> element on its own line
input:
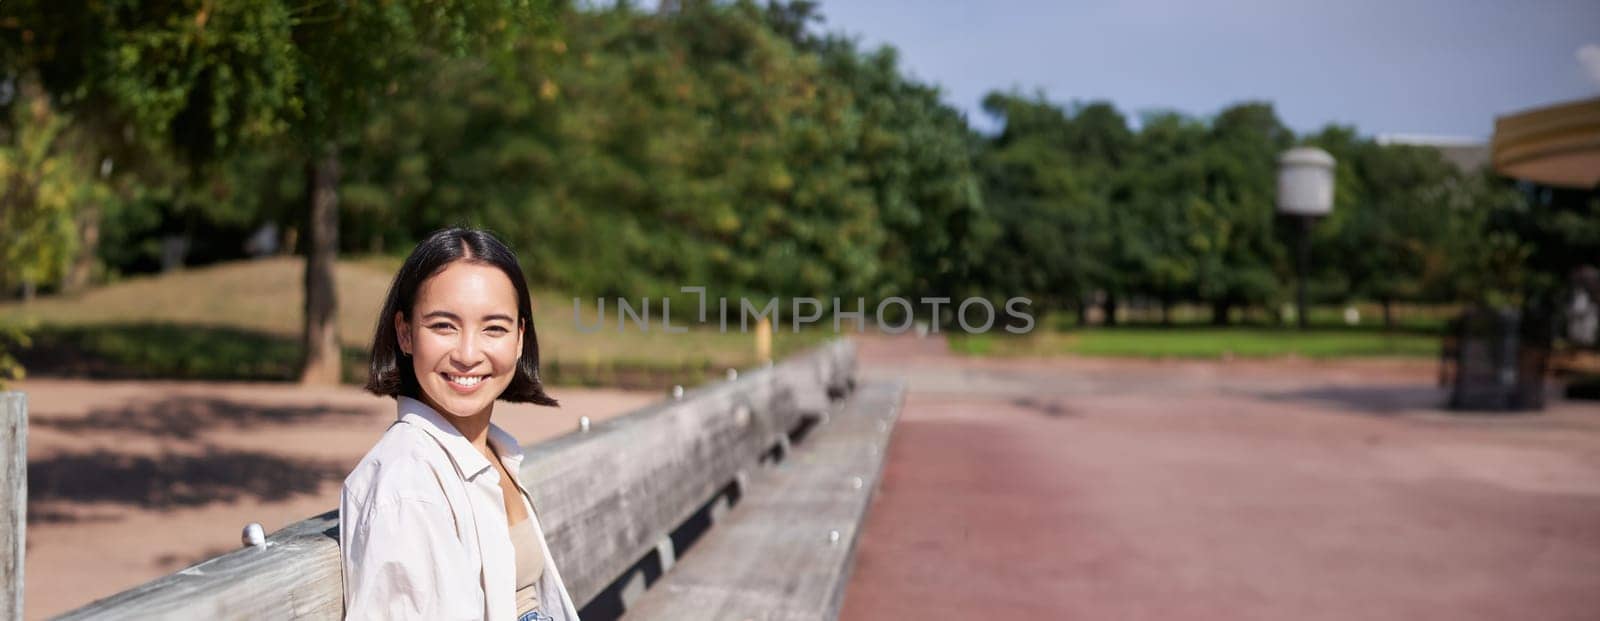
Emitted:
<point x="459" y="448"/>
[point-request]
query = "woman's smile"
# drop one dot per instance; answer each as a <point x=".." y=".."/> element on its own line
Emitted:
<point x="463" y="383"/>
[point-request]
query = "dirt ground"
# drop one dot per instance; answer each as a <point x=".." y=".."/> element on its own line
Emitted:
<point x="1287" y="489"/>
<point x="129" y="481"/>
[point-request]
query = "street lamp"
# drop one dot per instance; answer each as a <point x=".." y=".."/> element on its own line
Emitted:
<point x="1305" y="193"/>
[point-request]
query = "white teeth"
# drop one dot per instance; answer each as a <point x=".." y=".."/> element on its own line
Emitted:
<point x="465" y="380"/>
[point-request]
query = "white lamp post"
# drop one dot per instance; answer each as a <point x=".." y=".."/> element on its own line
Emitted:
<point x="1305" y="193"/>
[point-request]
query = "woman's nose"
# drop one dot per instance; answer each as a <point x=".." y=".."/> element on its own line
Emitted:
<point x="468" y="352"/>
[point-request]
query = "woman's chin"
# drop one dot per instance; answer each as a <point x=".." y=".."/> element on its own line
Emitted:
<point x="463" y="402"/>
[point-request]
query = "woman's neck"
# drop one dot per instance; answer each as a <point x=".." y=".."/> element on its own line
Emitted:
<point x="474" y="428"/>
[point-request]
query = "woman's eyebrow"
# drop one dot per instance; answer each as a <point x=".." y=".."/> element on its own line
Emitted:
<point x="457" y="318"/>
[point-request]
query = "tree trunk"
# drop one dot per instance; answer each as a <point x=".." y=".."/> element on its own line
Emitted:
<point x="1082" y="310"/>
<point x="321" y="337"/>
<point x="1166" y="311"/>
<point x="88" y="248"/>
<point x="1219" y="313"/>
<point x="1108" y="307"/>
<point x="1388" y="314"/>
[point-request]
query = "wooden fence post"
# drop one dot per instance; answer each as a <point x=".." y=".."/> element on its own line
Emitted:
<point x="13" y="499"/>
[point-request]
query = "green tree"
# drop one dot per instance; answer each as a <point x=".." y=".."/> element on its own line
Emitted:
<point x="41" y="184"/>
<point x="713" y="144"/>
<point x="210" y="78"/>
<point x="1554" y="231"/>
<point x="916" y="154"/>
<point x="1100" y="145"/>
<point x="1050" y="245"/>
<point x="1396" y="210"/>
<point x="1161" y="190"/>
<point x="1243" y="261"/>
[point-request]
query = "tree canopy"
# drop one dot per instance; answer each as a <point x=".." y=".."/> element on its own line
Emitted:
<point x="739" y="146"/>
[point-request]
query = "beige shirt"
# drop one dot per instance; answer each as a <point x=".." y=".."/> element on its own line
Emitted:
<point x="422" y="528"/>
<point x="530" y="563"/>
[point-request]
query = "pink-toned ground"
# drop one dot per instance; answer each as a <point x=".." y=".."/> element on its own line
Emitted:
<point x="1288" y="489"/>
<point x="129" y="481"/>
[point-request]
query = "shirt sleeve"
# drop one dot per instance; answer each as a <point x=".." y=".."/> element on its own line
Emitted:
<point x="401" y="560"/>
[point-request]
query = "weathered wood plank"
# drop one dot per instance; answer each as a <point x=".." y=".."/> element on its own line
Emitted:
<point x="606" y="497"/>
<point x="295" y="576"/>
<point x="611" y="496"/>
<point x="785" y="552"/>
<point x="13" y="500"/>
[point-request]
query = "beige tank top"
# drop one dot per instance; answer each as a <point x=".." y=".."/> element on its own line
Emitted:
<point x="530" y="563"/>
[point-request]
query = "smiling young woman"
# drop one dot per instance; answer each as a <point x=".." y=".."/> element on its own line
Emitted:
<point x="433" y="523"/>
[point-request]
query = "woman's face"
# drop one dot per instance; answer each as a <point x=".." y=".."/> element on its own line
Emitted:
<point x="463" y="337"/>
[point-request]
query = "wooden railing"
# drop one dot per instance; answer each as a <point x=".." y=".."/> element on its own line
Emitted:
<point x="13" y="499"/>
<point x="620" y="501"/>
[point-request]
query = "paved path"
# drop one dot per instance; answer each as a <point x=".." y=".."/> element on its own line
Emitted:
<point x="1070" y="488"/>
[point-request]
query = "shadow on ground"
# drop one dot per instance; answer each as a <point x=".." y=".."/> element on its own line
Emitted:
<point x="158" y="350"/>
<point x="1048" y="407"/>
<point x="167" y="481"/>
<point x="187" y="417"/>
<point x="1377" y="399"/>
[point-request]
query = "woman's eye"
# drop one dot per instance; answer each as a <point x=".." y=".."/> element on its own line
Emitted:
<point x="441" y="327"/>
<point x="496" y="330"/>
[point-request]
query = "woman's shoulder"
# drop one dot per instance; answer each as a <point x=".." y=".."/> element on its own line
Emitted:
<point x="405" y="463"/>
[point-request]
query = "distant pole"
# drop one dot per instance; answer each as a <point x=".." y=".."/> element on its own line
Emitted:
<point x="13" y="500"/>
<point x="764" y="340"/>
<point x="1305" y="193"/>
<point x="1302" y="265"/>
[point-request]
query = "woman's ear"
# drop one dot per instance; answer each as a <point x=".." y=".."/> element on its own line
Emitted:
<point x="402" y="332"/>
<point x="522" y="332"/>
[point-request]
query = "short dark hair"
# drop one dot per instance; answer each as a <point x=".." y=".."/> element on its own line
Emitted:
<point x="391" y="374"/>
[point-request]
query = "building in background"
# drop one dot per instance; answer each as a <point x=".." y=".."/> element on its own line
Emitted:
<point x="1555" y="146"/>
<point x="1556" y="151"/>
<point x="1468" y="154"/>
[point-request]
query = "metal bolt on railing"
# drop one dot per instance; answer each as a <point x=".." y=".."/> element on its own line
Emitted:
<point x="253" y="536"/>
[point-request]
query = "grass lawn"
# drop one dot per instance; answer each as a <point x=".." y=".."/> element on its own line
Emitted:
<point x="242" y="321"/>
<point x="1203" y="342"/>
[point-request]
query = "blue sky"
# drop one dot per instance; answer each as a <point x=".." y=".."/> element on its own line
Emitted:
<point x="1434" y="67"/>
